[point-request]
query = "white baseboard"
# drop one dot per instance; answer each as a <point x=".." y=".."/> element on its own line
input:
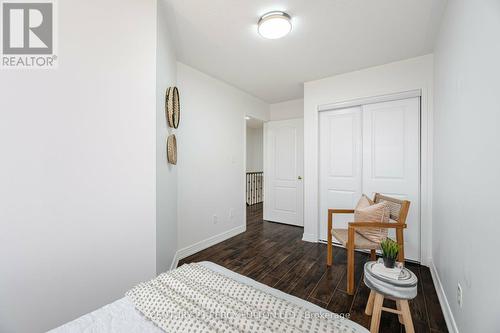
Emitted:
<point x="206" y="243"/>
<point x="445" y="305"/>
<point x="310" y="238"/>
<point x="425" y="261"/>
<point x="175" y="261"/>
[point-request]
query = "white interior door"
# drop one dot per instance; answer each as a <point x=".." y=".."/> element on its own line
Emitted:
<point x="339" y="164"/>
<point x="391" y="159"/>
<point x="283" y="170"/>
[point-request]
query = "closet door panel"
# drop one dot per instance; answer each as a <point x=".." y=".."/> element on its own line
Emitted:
<point x="340" y="164"/>
<point x="391" y="159"/>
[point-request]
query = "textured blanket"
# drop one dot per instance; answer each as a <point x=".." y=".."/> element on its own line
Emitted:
<point x="193" y="298"/>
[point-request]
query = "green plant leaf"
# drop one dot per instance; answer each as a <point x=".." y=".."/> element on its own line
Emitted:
<point x="390" y="248"/>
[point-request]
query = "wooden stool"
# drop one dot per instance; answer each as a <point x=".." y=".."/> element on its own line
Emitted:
<point x="400" y="290"/>
<point x="374" y="308"/>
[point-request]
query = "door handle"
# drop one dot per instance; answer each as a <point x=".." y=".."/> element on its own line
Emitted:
<point x="299" y="177"/>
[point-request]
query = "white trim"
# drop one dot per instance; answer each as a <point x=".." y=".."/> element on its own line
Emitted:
<point x="370" y="100"/>
<point x="206" y="243"/>
<point x="426" y="166"/>
<point x="264" y="168"/>
<point x="244" y="173"/>
<point x="312" y="238"/>
<point x="175" y="261"/>
<point x="445" y="305"/>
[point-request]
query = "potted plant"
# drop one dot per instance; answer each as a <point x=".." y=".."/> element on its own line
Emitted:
<point x="390" y="251"/>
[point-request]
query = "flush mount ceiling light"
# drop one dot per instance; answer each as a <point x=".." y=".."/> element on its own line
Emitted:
<point x="274" y="25"/>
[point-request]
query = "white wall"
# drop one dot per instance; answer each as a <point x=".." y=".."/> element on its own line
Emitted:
<point x="396" y="77"/>
<point x="287" y="110"/>
<point x="467" y="161"/>
<point x="166" y="174"/>
<point x="211" y="156"/>
<point x="77" y="200"/>
<point x="255" y="149"/>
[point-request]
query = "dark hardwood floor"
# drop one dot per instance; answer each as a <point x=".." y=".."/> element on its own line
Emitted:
<point x="275" y="254"/>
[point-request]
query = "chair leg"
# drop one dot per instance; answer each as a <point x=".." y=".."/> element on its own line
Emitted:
<point x="373" y="255"/>
<point x="377" y="311"/>
<point x="369" y="304"/>
<point x="405" y="309"/>
<point x="329" y="257"/>
<point x="400" y="240"/>
<point x="350" y="269"/>
<point x="350" y="261"/>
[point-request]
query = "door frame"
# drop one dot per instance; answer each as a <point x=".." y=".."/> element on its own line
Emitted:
<point x="244" y="167"/>
<point x="426" y="141"/>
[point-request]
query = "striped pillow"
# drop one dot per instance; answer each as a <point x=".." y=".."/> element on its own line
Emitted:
<point x="364" y="202"/>
<point x="374" y="213"/>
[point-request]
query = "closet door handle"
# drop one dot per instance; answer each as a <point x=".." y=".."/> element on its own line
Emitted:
<point x="299" y="177"/>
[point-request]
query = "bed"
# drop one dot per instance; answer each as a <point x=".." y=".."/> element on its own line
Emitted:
<point x="206" y="297"/>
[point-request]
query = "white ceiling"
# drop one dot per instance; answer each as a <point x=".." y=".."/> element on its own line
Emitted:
<point x="219" y="37"/>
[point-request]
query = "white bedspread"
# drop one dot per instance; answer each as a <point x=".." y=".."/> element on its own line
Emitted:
<point x="122" y="315"/>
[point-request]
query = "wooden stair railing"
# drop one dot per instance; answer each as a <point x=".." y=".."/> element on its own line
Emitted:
<point x="255" y="187"/>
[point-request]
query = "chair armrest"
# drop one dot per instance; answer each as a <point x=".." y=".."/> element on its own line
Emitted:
<point x="332" y="211"/>
<point x="340" y="211"/>
<point x="358" y="225"/>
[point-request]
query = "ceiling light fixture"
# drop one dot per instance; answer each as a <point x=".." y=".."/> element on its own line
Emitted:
<point x="247" y="118"/>
<point x="274" y="25"/>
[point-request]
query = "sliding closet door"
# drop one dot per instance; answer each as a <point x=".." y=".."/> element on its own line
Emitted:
<point x="339" y="164"/>
<point x="391" y="159"/>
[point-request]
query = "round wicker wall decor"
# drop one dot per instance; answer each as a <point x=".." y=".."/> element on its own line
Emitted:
<point x="172" y="149"/>
<point x="172" y="107"/>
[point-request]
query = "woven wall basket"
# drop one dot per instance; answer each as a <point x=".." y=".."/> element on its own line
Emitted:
<point x="172" y="107"/>
<point x="172" y="149"/>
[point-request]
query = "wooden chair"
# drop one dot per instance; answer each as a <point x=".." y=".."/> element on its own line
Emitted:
<point x="352" y="240"/>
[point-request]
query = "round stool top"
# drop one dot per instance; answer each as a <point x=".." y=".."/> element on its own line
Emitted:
<point x="403" y="288"/>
